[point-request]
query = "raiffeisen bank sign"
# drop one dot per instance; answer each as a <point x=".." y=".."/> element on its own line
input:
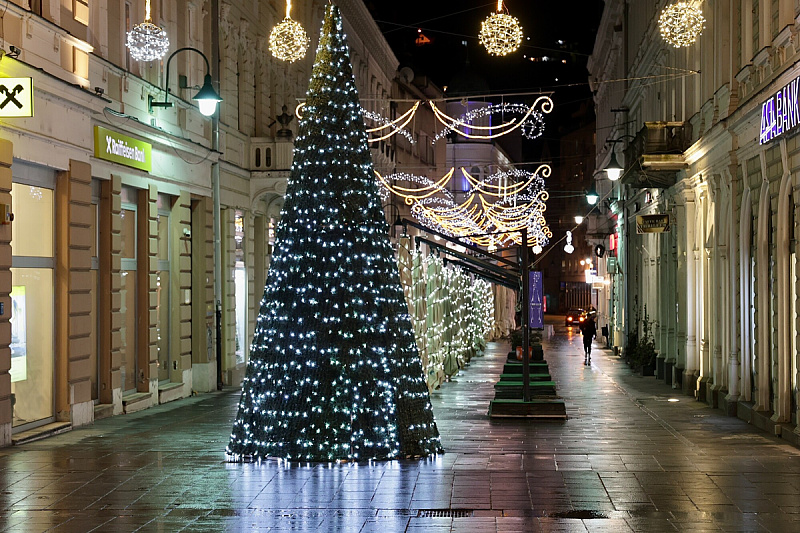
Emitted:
<point x="119" y="148"/>
<point x="780" y="113"/>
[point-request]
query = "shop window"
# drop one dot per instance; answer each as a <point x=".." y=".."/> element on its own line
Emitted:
<point x="32" y="317"/>
<point x="240" y="287"/>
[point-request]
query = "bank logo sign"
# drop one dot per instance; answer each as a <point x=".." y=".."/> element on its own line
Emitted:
<point x="118" y="148"/>
<point x="780" y="113"/>
<point x="16" y="97"/>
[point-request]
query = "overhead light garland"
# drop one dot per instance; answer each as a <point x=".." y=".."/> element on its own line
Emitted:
<point x="288" y="40"/>
<point x="531" y="128"/>
<point x="491" y="215"/>
<point x="681" y="24"/>
<point x="463" y="126"/>
<point x="500" y="33"/>
<point x="146" y="41"/>
<point x="531" y="123"/>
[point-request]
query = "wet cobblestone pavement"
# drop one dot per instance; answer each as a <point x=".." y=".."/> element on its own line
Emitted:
<point x="626" y="460"/>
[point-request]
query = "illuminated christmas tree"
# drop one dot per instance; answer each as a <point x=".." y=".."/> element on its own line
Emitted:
<point x="334" y="372"/>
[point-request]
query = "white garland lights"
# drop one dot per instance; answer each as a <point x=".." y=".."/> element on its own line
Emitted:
<point x="681" y="24"/>
<point x="288" y="40"/>
<point x="531" y="128"/>
<point x="500" y="33"/>
<point x="146" y="41"/>
<point x="334" y="373"/>
<point x="452" y="313"/>
<point x="491" y="207"/>
<point x="531" y="124"/>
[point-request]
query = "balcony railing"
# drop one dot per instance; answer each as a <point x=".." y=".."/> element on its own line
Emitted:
<point x="656" y="155"/>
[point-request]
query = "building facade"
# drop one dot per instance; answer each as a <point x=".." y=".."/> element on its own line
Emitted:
<point x="707" y="135"/>
<point x="116" y="264"/>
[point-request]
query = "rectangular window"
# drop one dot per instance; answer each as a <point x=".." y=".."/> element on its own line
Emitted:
<point x="739" y="27"/>
<point x="775" y="15"/>
<point x="756" y="22"/>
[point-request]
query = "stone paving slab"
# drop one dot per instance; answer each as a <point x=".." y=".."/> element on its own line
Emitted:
<point x="627" y="459"/>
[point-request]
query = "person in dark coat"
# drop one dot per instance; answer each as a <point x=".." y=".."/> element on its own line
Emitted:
<point x="589" y="330"/>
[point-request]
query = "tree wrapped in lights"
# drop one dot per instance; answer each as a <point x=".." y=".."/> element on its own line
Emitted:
<point x="334" y="371"/>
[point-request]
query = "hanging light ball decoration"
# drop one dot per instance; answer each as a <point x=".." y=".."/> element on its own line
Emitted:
<point x="146" y="41"/>
<point x="288" y="40"/>
<point x="681" y="24"/>
<point x="500" y="33"/>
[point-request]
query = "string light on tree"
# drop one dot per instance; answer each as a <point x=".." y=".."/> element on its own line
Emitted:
<point x="500" y="33"/>
<point x="681" y="24"/>
<point x="288" y="40"/>
<point x="334" y="372"/>
<point x="146" y="41"/>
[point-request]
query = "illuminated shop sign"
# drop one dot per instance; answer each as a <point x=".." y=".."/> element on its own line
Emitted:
<point x="112" y="146"/>
<point x="780" y="113"/>
<point x="16" y="97"/>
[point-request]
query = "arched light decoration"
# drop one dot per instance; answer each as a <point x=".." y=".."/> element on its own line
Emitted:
<point x="146" y="41"/>
<point x="288" y="40"/>
<point x="681" y="24"/>
<point x="500" y="33"/>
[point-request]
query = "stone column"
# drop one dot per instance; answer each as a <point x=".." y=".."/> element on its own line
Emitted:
<point x="690" y="371"/>
<point x="734" y="365"/>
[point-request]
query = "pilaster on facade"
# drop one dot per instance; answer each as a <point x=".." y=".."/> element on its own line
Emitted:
<point x="6" y="159"/>
<point x="74" y="294"/>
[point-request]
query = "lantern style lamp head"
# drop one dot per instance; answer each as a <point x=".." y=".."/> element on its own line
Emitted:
<point x="578" y="219"/>
<point x="614" y="169"/>
<point x="592" y="197"/>
<point x="207" y="98"/>
<point x="146" y="41"/>
<point x="500" y="33"/>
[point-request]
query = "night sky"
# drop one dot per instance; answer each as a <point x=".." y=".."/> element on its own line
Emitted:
<point x="449" y="63"/>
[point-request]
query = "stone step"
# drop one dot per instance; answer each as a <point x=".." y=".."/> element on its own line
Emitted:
<point x="40" y="432"/>
<point x="518" y="377"/>
<point x="169" y="392"/>
<point x="541" y="408"/>
<point x="513" y="389"/>
<point x="103" y="410"/>
<point x="136" y="402"/>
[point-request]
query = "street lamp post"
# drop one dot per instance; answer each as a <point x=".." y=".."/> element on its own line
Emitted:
<point x="207" y="98"/>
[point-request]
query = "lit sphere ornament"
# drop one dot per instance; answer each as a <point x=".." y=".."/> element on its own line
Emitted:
<point x="146" y="41"/>
<point x="681" y="24"/>
<point x="500" y="33"/>
<point x="288" y="40"/>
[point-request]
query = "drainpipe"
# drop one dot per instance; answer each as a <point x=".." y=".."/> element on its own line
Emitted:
<point x="215" y="192"/>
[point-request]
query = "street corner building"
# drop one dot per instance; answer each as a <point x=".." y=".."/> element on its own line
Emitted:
<point x="334" y="370"/>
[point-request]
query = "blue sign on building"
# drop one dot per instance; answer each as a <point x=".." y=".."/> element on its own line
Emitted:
<point x="536" y="303"/>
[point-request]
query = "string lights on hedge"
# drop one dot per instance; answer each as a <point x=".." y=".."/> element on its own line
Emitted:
<point x="500" y="33"/>
<point x="288" y="40"/>
<point x="146" y="41"/>
<point x="681" y="24"/>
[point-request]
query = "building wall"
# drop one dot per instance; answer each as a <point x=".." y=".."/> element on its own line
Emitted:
<point x="730" y="254"/>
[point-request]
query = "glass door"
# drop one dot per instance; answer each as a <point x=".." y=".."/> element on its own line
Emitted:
<point x="162" y="297"/>
<point x="129" y="364"/>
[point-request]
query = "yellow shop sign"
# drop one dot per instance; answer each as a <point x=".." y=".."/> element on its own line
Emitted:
<point x="118" y="148"/>
<point x="16" y="97"/>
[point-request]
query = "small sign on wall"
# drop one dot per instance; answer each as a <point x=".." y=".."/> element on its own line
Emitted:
<point x="16" y="97"/>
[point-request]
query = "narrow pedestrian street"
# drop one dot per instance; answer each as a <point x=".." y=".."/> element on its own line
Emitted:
<point x="627" y="459"/>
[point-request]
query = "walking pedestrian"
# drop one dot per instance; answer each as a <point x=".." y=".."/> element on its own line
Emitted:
<point x="589" y="330"/>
